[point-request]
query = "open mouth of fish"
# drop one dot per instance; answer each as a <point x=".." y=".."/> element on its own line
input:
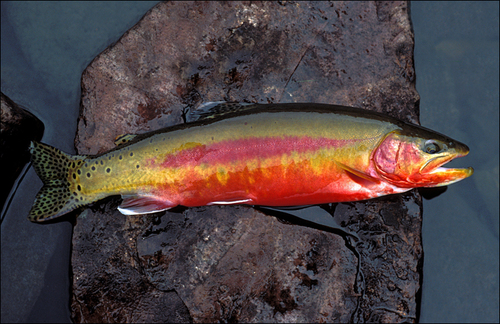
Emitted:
<point x="448" y="175"/>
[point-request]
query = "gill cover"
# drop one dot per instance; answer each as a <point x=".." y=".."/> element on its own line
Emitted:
<point x="414" y="159"/>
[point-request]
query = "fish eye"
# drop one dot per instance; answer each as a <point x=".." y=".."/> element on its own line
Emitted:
<point x="431" y="147"/>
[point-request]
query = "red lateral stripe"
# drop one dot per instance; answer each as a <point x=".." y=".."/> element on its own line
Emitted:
<point x="249" y="148"/>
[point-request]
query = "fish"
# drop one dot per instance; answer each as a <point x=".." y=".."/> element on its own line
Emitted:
<point x="276" y="155"/>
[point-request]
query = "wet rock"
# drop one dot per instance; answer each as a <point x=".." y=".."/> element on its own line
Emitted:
<point x="108" y="284"/>
<point x="17" y="128"/>
<point x="235" y="263"/>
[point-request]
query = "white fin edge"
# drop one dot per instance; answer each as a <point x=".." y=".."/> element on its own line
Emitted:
<point x="233" y="202"/>
<point x="129" y="212"/>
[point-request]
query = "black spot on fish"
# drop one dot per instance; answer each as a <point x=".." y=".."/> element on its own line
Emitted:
<point x="102" y="163"/>
<point x="74" y="175"/>
<point x="88" y="174"/>
<point x="79" y="172"/>
<point x="86" y="165"/>
<point x="120" y="157"/>
<point x="93" y="168"/>
<point x="137" y="166"/>
<point x="79" y="188"/>
<point x="131" y="153"/>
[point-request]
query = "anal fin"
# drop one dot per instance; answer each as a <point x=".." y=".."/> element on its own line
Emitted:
<point x="143" y="204"/>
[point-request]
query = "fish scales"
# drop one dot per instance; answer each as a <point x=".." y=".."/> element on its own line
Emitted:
<point x="241" y="148"/>
<point x="273" y="155"/>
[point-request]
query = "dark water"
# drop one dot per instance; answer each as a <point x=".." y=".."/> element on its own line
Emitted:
<point x="456" y="59"/>
<point x="45" y="47"/>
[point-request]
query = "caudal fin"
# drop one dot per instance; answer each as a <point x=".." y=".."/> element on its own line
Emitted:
<point x="58" y="195"/>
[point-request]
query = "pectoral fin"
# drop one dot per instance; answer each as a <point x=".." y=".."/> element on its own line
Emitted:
<point x="143" y="204"/>
<point x="359" y="176"/>
<point x="247" y="201"/>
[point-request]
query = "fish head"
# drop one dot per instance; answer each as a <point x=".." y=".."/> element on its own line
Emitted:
<point x="413" y="157"/>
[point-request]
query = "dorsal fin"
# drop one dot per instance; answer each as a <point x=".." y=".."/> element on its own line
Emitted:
<point x="217" y="109"/>
<point x="125" y="138"/>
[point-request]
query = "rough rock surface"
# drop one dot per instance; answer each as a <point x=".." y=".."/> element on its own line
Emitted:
<point x="235" y="263"/>
<point x="17" y="128"/>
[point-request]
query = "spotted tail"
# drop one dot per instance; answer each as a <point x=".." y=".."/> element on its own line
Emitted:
<point x="59" y="194"/>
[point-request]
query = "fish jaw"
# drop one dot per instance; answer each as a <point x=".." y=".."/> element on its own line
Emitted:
<point x="446" y="176"/>
<point x="416" y="160"/>
<point x="436" y="176"/>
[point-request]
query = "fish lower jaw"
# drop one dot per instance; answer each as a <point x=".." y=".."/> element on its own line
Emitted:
<point x="451" y="175"/>
<point x="466" y="171"/>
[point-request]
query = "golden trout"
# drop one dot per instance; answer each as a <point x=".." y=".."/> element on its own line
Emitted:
<point x="271" y="155"/>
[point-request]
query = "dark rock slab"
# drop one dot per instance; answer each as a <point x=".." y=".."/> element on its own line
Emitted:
<point x="182" y="54"/>
<point x="108" y="284"/>
<point x="235" y="263"/>
<point x="17" y="128"/>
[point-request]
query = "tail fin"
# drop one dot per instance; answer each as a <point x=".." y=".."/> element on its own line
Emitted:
<point x="58" y="195"/>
